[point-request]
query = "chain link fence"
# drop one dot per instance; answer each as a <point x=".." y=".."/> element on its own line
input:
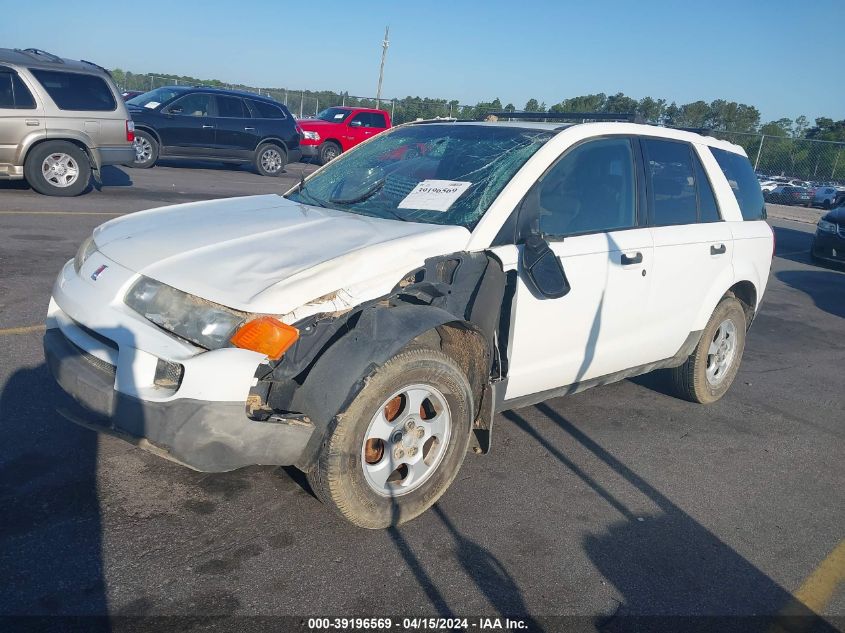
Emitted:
<point x="307" y="103"/>
<point x="802" y="158"/>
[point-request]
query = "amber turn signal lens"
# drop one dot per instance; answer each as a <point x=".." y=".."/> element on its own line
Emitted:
<point x="266" y="335"/>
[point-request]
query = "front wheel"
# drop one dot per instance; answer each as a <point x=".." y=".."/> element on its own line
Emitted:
<point x="710" y="370"/>
<point x="270" y="160"/>
<point x="399" y="445"/>
<point x="146" y="150"/>
<point x="329" y="151"/>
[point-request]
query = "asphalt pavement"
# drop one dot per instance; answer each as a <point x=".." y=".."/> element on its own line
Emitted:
<point x="616" y="502"/>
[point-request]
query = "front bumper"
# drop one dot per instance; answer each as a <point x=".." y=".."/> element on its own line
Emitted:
<point x="829" y="246"/>
<point x="208" y="436"/>
<point x="310" y="151"/>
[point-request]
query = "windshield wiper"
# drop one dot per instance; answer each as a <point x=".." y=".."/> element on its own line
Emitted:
<point x="369" y="193"/>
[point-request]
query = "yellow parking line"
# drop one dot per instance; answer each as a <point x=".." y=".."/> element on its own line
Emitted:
<point x="22" y="330"/>
<point x="60" y="213"/>
<point x="819" y="587"/>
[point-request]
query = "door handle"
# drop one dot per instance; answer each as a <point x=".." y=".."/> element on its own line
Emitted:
<point x="249" y="129"/>
<point x="32" y="122"/>
<point x="207" y="127"/>
<point x="721" y="249"/>
<point x="636" y="258"/>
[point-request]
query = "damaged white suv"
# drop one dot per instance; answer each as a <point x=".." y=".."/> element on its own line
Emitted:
<point x="367" y="326"/>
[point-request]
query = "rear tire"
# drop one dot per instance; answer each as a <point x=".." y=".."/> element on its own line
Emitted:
<point x="329" y="151"/>
<point x="422" y="402"/>
<point x="270" y="160"/>
<point x="710" y="370"/>
<point x="58" y="168"/>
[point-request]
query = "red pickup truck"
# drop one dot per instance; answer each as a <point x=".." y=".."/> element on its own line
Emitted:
<point x="337" y="129"/>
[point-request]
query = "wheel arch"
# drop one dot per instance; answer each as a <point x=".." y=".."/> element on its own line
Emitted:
<point x="140" y="127"/>
<point x="80" y="143"/>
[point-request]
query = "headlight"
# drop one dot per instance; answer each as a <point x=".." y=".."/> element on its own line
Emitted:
<point x="826" y="227"/>
<point x="311" y="136"/>
<point x="85" y="250"/>
<point x="207" y="324"/>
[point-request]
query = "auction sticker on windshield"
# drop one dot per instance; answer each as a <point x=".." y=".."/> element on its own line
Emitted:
<point x="434" y="195"/>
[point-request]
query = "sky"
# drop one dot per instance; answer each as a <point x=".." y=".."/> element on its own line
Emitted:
<point x="781" y="56"/>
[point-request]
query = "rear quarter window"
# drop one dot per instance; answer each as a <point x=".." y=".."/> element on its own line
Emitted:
<point x="267" y="110"/>
<point x="76" y="91"/>
<point x="740" y="175"/>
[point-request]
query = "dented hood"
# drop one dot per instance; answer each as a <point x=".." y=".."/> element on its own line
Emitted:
<point x="266" y="253"/>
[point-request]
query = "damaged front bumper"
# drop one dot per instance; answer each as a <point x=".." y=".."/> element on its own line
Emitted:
<point x="209" y="436"/>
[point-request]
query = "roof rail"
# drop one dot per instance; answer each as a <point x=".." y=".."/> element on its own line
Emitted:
<point x="105" y="70"/>
<point x="37" y="52"/>
<point x="704" y="131"/>
<point x="630" y="117"/>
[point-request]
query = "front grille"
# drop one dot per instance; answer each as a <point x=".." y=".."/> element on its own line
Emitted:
<point x="102" y="365"/>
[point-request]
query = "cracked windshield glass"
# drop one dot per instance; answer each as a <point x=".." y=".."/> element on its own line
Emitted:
<point x="432" y="173"/>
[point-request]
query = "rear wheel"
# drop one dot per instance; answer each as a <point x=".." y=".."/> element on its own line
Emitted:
<point x="710" y="370"/>
<point x="270" y="160"/>
<point x="58" y="168"/>
<point x="329" y="151"/>
<point x="399" y="445"/>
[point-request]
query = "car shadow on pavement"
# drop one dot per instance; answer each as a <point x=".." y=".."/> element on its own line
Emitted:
<point x="793" y="245"/>
<point x="112" y="176"/>
<point x="825" y="288"/>
<point x="51" y="531"/>
<point x="672" y="573"/>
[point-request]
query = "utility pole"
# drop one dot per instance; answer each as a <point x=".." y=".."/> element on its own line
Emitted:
<point x="384" y="44"/>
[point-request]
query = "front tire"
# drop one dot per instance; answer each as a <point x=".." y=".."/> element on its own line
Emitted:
<point x="710" y="370"/>
<point x="146" y="150"/>
<point x="58" y="168"/>
<point x="400" y="444"/>
<point x="270" y="160"/>
<point x="329" y="151"/>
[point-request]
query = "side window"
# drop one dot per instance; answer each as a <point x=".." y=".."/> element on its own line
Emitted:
<point x="590" y="189"/>
<point x="267" y="110"/>
<point x="737" y="169"/>
<point x="377" y="120"/>
<point x="197" y="104"/>
<point x="231" y="107"/>
<point x="7" y="97"/>
<point x="76" y="91"/>
<point x="360" y="120"/>
<point x="23" y="97"/>
<point x="13" y="92"/>
<point x="670" y="176"/>
<point x="707" y="206"/>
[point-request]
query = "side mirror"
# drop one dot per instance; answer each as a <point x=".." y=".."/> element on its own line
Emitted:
<point x="177" y="109"/>
<point x="543" y="268"/>
<point x="356" y="124"/>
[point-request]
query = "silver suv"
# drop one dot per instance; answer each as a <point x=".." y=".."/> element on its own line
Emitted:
<point x="59" y="120"/>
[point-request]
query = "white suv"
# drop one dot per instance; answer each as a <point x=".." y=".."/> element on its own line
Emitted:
<point x="367" y="326"/>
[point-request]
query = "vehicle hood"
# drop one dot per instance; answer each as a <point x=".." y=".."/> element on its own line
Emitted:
<point x="835" y="215"/>
<point x="268" y="254"/>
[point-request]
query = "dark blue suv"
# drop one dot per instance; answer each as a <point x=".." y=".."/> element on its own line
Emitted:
<point x="213" y="124"/>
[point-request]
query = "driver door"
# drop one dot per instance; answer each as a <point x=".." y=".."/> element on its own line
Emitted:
<point x="188" y="126"/>
<point x="588" y="207"/>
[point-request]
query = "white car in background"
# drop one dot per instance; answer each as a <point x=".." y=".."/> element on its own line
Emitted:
<point x="367" y="326"/>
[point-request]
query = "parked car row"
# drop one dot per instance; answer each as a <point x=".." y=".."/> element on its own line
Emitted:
<point x="784" y="190"/>
<point x="61" y="120"/>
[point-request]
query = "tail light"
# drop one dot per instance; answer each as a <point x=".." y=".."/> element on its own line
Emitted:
<point x="130" y="131"/>
<point x="774" y="240"/>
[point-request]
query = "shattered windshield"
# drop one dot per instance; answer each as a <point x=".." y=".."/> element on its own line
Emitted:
<point x="432" y="173"/>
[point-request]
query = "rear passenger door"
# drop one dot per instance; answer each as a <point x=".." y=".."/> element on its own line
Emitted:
<point x="692" y="245"/>
<point x="20" y="116"/>
<point x="236" y="134"/>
